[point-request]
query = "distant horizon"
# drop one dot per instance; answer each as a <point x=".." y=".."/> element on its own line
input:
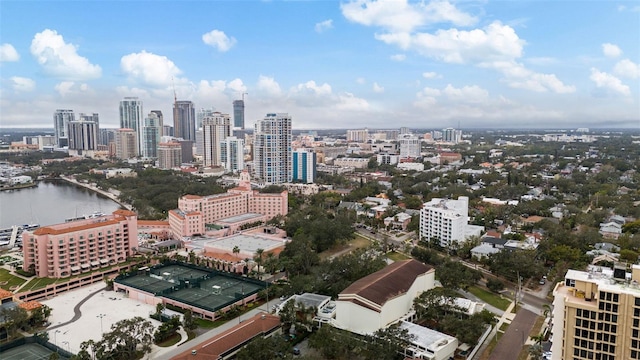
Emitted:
<point x="361" y="63"/>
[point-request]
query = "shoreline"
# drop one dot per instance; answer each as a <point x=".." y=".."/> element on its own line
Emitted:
<point x="107" y="194"/>
<point x="18" y="187"/>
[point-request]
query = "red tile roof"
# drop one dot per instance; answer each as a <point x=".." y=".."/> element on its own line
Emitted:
<point x="238" y="335"/>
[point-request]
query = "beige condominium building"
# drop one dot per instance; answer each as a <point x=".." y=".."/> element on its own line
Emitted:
<point x="596" y="314"/>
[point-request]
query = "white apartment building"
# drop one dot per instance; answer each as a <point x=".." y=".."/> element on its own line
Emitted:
<point x="409" y="146"/>
<point x="447" y="220"/>
<point x="215" y="129"/>
<point x="232" y="154"/>
<point x="272" y="154"/>
<point x="358" y="135"/>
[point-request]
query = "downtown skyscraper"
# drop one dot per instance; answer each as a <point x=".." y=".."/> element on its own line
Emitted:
<point x="272" y="156"/>
<point x="215" y="128"/>
<point x="184" y="120"/>
<point x="150" y="136"/>
<point x="238" y="114"/>
<point x="61" y="119"/>
<point x="131" y="116"/>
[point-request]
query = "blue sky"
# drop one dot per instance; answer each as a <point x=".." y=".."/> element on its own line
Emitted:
<point x="329" y="64"/>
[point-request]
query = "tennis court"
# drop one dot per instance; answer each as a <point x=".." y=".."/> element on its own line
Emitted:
<point x="28" y="352"/>
<point x="149" y="284"/>
<point x="175" y="273"/>
<point x="217" y="291"/>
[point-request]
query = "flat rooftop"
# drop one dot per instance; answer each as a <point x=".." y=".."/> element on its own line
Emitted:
<point x="427" y="338"/>
<point x="247" y="243"/>
<point x="238" y="218"/>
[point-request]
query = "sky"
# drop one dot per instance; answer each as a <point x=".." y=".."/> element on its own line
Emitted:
<point x="329" y="64"/>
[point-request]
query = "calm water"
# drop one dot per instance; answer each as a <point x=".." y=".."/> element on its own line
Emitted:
<point x="51" y="202"/>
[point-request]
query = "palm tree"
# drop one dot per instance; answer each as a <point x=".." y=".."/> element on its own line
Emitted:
<point x="236" y="250"/>
<point x="258" y="260"/>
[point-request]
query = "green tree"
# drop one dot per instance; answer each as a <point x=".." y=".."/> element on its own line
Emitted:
<point x="266" y="348"/>
<point x="127" y="339"/>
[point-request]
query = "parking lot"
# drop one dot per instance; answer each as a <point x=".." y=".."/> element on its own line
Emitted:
<point x="87" y="313"/>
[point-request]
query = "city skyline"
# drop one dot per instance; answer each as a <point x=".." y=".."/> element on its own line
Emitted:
<point x="375" y="64"/>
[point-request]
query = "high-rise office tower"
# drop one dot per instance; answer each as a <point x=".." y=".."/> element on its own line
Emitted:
<point x="93" y="117"/>
<point x="61" y="120"/>
<point x="451" y="135"/>
<point x="232" y="154"/>
<point x="167" y="130"/>
<point x="238" y="114"/>
<point x="596" y="314"/>
<point x="83" y="136"/>
<point x="160" y="121"/>
<point x="150" y="136"/>
<point x="272" y="149"/>
<point x="201" y="114"/>
<point x="215" y="128"/>
<point x="184" y="120"/>
<point x="304" y="165"/>
<point x="126" y="144"/>
<point x="107" y="136"/>
<point x="169" y="155"/>
<point x="131" y="116"/>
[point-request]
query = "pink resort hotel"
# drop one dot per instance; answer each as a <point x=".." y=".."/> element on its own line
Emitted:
<point x="80" y="246"/>
<point x="223" y="214"/>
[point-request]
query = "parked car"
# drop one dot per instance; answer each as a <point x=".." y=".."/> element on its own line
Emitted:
<point x="296" y="351"/>
<point x="543" y="281"/>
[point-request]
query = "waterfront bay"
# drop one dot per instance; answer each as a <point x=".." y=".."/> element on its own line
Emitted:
<point x="50" y="202"/>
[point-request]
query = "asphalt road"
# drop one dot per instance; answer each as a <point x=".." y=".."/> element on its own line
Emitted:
<point x="513" y="340"/>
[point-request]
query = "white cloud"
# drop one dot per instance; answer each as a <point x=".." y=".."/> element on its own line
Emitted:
<point x="324" y="25"/>
<point x="400" y="16"/>
<point x="361" y="81"/>
<point x="60" y="59"/>
<point x="310" y="87"/>
<point x="472" y="94"/>
<point x="627" y="68"/>
<point x="398" y="57"/>
<point x="219" y="40"/>
<point x="611" y="50"/>
<point x="269" y="86"/>
<point x="64" y="88"/>
<point x="237" y="85"/>
<point x="23" y="84"/>
<point x="631" y="9"/>
<point x="609" y="82"/>
<point x="349" y="102"/>
<point x="431" y="75"/>
<point x="377" y="88"/>
<point x="493" y="43"/>
<point x="8" y="53"/>
<point x="150" y="69"/>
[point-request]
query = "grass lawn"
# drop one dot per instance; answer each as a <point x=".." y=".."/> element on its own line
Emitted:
<point x="490" y="298"/>
<point x="7" y="281"/>
<point x="38" y="283"/>
<point x="396" y="256"/>
<point x="171" y="340"/>
<point x="358" y="243"/>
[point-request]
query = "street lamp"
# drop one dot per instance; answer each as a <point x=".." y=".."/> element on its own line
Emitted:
<point x="68" y="347"/>
<point x="101" y="316"/>
<point x="55" y="342"/>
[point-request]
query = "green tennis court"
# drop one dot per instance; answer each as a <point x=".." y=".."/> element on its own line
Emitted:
<point x="28" y="352"/>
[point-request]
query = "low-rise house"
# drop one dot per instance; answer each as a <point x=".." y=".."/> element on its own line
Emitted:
<point x="428" y="344"/>
<point x="610" y="230"/>
<point x="398" y="221"/>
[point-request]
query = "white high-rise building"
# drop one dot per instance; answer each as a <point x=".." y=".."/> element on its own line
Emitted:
<point x="304" y="165"/>
<point x="131" y="117"/>
<point x="61" y="120"/>
<point x="409" y="146"/>
<point x="445" y="220"/>
<point x="272" y="157"/>
<point x="232" y="154"/>
<point x="358" y="135"/>
<point x="215" y="128"/>
<point x="151" y="136"/>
